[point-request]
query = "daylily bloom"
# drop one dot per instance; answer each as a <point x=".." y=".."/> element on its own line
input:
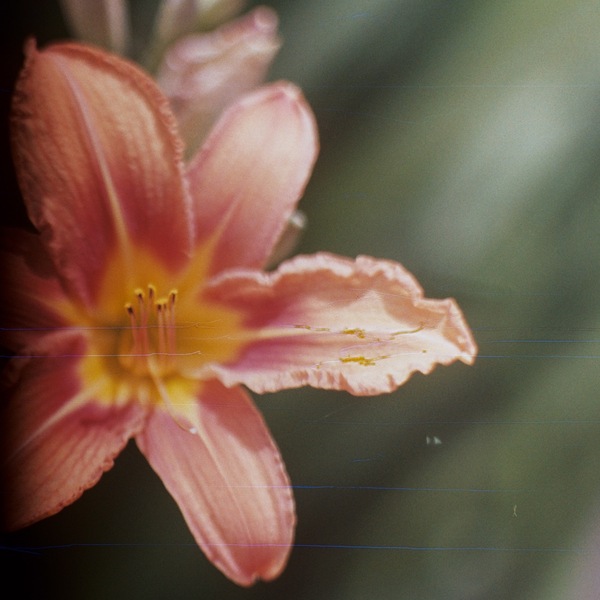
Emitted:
<point x="140" y="309"/>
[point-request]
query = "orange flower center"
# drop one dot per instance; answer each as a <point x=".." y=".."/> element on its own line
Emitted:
<point x="162" y="341"/>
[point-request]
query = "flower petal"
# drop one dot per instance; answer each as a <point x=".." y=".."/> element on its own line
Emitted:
<point x="228" y="480"/>
<point x="250" y="173"/>
<point x="29" y="287"/>
<point x="56" y="440"/>
<point x="98" y="163"/>
<point x="202" y="74"/>
<point x="330" y="322"/>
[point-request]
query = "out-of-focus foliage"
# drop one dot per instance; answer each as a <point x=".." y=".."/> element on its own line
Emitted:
<point x="462" y="139"/>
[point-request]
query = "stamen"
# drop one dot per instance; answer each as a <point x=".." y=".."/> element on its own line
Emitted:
<point x="160" y="321"/>
<point x="152" y="328"/>
<point x="141" y="303"/>
<point x="151" y="348"/>
<point x="141" y="336"/>
<point x="171" y="325"/>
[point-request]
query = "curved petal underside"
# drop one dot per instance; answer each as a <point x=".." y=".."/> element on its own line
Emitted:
<point x="227" y="478"/>
<point x="330" y="322"/>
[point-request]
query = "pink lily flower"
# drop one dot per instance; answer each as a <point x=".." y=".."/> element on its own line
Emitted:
<point x="140" y="309"/>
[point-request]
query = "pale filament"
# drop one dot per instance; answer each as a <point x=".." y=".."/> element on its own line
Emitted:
<point x="153" y="343"/>
<point x="152" y="325"/>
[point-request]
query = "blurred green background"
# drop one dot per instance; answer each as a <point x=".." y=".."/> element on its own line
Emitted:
<point x="461" y="138"/>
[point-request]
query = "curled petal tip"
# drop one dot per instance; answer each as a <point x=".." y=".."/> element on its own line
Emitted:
<point x="286" y="89"/>
<point x="265" y="18"/>
<point x="290" y="94"/>
<point x="262" y="21"/>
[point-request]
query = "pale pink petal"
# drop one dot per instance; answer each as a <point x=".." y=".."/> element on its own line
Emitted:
<point x="227" y="478"/>
<point x="57" y="439"/>
<point x="250" y="173"/>
<point x="330" y="322"/>
<point x="101" y="22"/>
<point x="202" y="74"/>
<point x="29" y="290"/>
<point x="179" y="17"/>
<point x="98" y="163"/>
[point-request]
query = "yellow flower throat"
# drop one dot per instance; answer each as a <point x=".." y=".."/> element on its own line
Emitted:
<point x="146" y="342"/>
